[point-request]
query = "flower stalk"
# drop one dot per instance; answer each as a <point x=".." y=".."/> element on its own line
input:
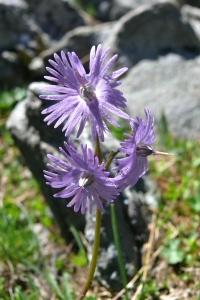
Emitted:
<point x="94" y="255"/>
<point x="93" y="263"/>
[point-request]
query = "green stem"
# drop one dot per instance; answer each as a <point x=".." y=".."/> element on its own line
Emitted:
<point x="94" y="255"/>
<point x="119" y="252"/>
<point x="109" y="159"/>
<point x="93" y="263"/>
<point x="97" y="150"/>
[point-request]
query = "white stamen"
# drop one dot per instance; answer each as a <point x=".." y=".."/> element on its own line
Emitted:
<point x="145" y="150"/>
<point x="163" y="153"/>
<point x="87" y="92"/>
<point x="86" y="179"/>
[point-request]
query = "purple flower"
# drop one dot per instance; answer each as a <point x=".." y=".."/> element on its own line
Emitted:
<point x="137" y="148"/>
<point x="80" y="96"/>
<point x="81" y="177"/>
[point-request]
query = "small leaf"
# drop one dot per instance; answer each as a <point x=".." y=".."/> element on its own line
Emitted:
<point x="172" y="253"/>
<point x="196" y="162"/>
<point x="80" y="260"/>
<point x="194" y="203"/>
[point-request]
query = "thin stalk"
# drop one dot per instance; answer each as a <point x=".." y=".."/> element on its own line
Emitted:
<point x="109" y="159"/>
<point x="119" y="252"/>
<point x="97" y="150"/>
<point x="94" y="255"/>
<point x="93" y="263"/>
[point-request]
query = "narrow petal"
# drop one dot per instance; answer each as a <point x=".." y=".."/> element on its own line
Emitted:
<point x="79" y="202"/>
<point x="116" y="74"/>
<point x="108" y="65"/>
<point x="116" y="111"/>
<point x="73" y="119"/>
<point x="76" y="64"/>
<point x="109" y="119"/>
<point x="97" y="200"/>
<point x="104" y="56"/>
<point x="65" y="61"/>
<point x="82" y="124"/>
<point x="65" y="193"/>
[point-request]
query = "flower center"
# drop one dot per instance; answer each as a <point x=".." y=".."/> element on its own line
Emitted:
<point x="144" y="150"/>
<point x="86" y="90"/>
<point x="86" y="179"/>
<point x="87" y="93"/>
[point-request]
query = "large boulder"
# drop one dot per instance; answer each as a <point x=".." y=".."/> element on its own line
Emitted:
<point x="16" y="28"/>
<point x="192" y="16"/>
<point x="169" y="85"/>
<point x="26" y="29"/>
<point x="194" y="3"/>
<point x="10" y="65"/>
<point x="150" y="31"/>
<point x="79" y="40"/>
<point x="20" y="40"/>
<point x="35" y="139"/>
<point x="55" y="17"/>
<point x="135" y="3"/>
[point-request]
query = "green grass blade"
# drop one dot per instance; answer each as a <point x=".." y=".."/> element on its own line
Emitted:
<point x="52" y="282"/>
<point x="33" y="267"/>
<point x="77" y="237"/>
<point x="66" y="286"/>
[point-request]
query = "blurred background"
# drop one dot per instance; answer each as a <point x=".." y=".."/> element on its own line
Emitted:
<point x="44" y="246"/>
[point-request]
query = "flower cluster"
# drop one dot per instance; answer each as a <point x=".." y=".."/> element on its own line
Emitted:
<point x="82" y="97"/>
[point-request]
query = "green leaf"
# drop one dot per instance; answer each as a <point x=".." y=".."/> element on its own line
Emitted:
<point x="172" y="253"/>
<point x="196" y="162"/>
<point x="80" y="259"/>
<point x="194" y="203"/>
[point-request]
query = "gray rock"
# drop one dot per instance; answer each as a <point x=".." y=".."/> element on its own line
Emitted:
<point x="192" y="16"/>
<point x="169" y="85"/>
<point x="10" y="65"/>
<point x="35" y="139"/>
<point x="110" y="11"/>
<point x="26" y="29"/>
<point x="55" y="17"/>
<point x="79" y="40"/>
<point x="150" y="31"/>
<point x="135" y="3"/>
<point x="20" y="40"/>
<point x="16" y="27"/>
<point x="190" y="12"/>
<point x="36" y="66"/>
<point x="194" y="3"/>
